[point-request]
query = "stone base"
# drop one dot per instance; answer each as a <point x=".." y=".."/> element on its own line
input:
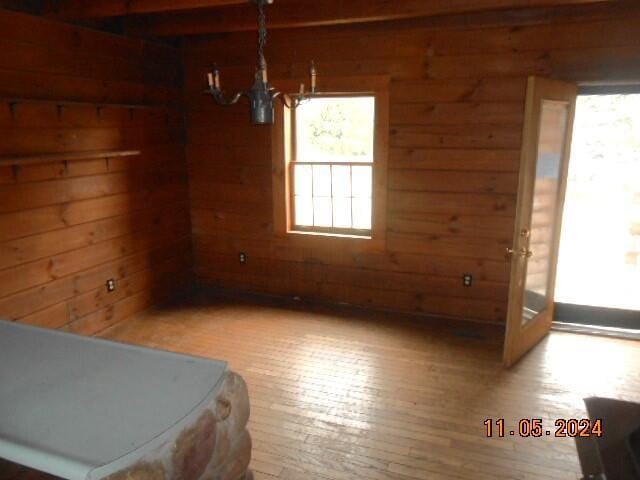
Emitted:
<point x="216" y="447"/>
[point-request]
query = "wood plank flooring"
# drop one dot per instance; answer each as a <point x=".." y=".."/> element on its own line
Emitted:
<point x="375" y="396"/>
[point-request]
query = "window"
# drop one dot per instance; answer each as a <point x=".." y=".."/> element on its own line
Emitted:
<point x="329" y="157"/>
<point x="332" y="165"/>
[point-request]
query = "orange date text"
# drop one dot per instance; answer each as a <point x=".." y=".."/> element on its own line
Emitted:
<point x="533" y="427"/>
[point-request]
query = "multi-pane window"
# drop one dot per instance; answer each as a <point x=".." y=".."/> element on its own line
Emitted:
<point x="332" y="165"/>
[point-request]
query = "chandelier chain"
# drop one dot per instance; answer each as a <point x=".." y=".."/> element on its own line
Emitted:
<point x="262" y="35"/>
<point x="261" y="94"/>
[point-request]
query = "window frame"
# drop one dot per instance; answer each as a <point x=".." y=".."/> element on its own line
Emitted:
<point x="293" y="161"/>
<point x="283" y="160"/>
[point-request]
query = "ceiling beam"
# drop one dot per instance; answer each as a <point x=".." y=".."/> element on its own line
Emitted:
<point x="308" y="13"/>
<point x="88" y="9"/>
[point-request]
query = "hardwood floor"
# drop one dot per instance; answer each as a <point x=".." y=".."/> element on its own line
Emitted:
<point x="375" y="396"/>
<point x="370" y="396"/>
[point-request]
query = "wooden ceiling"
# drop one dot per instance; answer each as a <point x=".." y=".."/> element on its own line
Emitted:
<point x="191" y="17"/>
<point x="83" y="9"/>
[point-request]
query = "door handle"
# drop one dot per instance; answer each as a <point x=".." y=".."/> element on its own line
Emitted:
<point x="524" y="253"/>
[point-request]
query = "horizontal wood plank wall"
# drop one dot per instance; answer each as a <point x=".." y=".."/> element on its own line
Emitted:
<point x="68" y="226"/>
<point x="457" y="104"/>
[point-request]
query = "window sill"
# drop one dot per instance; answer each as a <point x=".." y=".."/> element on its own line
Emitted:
<point x="321" y="240"/>
<point x="329" y="234"/>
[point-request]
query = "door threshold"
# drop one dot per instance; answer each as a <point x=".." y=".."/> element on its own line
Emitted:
<point x="624" y="333"/>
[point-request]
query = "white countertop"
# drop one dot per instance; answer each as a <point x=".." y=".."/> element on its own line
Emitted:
<point x="80" y="407"/>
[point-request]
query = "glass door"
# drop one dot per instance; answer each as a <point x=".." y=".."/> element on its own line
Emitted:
<point x="543" y="172"/>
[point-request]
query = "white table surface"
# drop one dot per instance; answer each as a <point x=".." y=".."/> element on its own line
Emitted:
<point x="83" y="408"/>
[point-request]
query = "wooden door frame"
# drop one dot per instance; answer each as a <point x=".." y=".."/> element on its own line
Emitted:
<point x="519" y="339"/>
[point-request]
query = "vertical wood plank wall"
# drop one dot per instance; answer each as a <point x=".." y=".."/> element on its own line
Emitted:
<point x="457" y="105"/>
<point x="67" y="227"/>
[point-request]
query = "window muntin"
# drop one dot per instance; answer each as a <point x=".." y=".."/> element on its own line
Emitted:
<point x="332" y="166"/>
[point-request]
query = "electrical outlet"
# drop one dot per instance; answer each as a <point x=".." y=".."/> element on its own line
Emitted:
<point x="467" y="279"/>
<point x="111" y="285"/>
<point x="242" y="257"/>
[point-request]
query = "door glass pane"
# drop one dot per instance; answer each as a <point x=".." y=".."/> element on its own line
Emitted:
<point x="553" y="127"/>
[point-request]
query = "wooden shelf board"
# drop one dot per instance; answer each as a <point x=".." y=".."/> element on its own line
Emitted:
<point x="65" y="156"/>
<point x="63" y="103"/>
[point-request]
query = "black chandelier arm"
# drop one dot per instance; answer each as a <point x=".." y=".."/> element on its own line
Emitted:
<point x="220" y="99"/>
<point x="293" y="101"/>
<point x="262" y="94"/>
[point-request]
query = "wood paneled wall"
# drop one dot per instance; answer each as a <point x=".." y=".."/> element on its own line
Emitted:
<point x="68" y="226"/>
<point x="457" y="106"/>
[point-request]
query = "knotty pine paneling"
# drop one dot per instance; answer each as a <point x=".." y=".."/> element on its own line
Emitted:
<point x="68" y="226"/>
<point x="457" y="102"/>
<point x="51" y="60"/>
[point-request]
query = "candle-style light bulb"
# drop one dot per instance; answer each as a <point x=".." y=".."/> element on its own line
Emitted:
<point x="313" y="74"/>
<point x="210" y="79"/>
<point x="216" y="78"/>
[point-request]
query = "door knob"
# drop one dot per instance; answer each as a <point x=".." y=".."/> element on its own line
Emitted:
<point x="524" y="253"/>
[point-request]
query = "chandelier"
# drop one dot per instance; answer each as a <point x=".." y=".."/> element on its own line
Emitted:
<point x="262" y="94"/>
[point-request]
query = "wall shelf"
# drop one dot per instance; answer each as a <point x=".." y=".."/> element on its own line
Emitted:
<point x="64" y="157"/>
<point x="71" y="103"/>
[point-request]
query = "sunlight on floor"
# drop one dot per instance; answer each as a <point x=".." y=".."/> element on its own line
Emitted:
<point x="584" y="366"/>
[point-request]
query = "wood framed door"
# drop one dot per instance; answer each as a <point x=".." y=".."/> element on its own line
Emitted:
<point x="546" y="143"/>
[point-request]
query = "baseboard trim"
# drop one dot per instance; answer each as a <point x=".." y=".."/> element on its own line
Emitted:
<point x="485" y="330"/>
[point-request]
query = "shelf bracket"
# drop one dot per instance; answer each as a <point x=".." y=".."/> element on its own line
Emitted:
<point x="13" y="110"/>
